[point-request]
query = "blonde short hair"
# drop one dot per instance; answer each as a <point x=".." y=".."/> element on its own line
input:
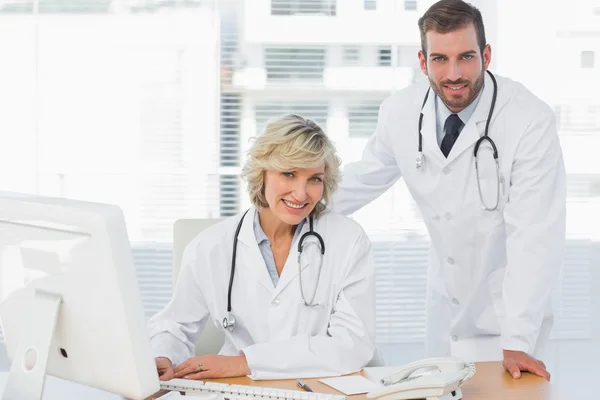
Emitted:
<point x="288" y="143"/>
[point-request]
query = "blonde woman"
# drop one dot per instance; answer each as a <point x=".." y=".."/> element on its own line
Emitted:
<point x="287" y="309"/>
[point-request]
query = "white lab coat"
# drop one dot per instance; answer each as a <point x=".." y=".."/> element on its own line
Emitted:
<point x="280" y="336"/>
<point x="491" y="274"/>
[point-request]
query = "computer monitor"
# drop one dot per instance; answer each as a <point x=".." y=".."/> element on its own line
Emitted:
<point x="69" y="298"/>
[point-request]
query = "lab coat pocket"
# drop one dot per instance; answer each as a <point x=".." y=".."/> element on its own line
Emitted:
<point x="314" y="317"/>
<point x="489" y="180"/>
<point x="489" y="211"/>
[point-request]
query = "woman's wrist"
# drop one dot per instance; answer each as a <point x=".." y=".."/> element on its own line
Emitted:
<point x="243" y="365"/>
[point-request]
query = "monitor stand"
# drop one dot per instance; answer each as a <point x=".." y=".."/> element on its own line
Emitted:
<point x="28" y="369"/>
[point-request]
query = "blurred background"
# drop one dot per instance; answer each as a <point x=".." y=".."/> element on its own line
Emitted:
<point x="150" y="104"/>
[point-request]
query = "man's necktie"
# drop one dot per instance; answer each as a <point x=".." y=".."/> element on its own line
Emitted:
<point x="452" y="126"/>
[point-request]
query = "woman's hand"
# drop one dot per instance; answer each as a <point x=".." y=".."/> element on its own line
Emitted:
<point x="164" y="367"/>
<point x="212" y="366"/>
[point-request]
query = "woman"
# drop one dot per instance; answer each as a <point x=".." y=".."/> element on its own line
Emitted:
<point x="294" y="317"/>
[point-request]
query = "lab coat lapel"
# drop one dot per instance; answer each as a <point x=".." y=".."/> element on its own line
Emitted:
<point x="291" y="270"/>
<point x="475" y="126"/>
<point x="251" y="258"/>
<point x="431" y="149"/>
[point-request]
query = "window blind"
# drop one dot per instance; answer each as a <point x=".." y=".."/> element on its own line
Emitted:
<point x="362" y="119"/>
<point x="294" y="64"/>
<point x="410" y="5"/>
<point x="303" y="7"/>
<point x="580" y="117"/>
<point x="268" y="110"/>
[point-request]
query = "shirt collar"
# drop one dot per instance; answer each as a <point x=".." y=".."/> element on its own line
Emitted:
<point x="260" y="234"/>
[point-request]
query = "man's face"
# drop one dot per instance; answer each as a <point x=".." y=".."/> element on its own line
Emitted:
<point x="455" y="66"/>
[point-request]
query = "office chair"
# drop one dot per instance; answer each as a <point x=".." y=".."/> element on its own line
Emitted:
<point x="184" y="230"/>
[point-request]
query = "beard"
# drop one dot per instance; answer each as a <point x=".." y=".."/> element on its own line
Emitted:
<point x="460" y="101"/>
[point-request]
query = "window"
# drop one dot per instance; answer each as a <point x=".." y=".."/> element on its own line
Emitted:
<point x="577" y="117"/>
<point x="385" y="57"/>
<point x="410" y="5"/>
<point x="362" y="119"/>
<point x="229" y="195"/>
<point x="230" y="130"/>
<point x="587" y="59"/>
<point x="16" y="7"/>
<point x="141" y="122"/>
<point x="583" y="186"/>
<point x="351" y="55"/>
<point x="370" y="5"/>
<point x="306" y="7"/>
<point x="93" y="6"/>
<point x="292" y="64"/>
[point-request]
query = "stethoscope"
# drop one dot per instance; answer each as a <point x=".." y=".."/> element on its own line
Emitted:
<point x="229" y="321"/>
<point x="421" y="158"/>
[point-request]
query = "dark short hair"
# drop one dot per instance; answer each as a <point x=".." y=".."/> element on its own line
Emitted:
<point x="448" y="16"/>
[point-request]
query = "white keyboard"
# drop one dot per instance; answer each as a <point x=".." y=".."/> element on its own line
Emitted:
<point x="242" y="392"/>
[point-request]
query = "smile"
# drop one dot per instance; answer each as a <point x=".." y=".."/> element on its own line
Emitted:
<point x="456" y="87"/>
<point x="293" y="205"/>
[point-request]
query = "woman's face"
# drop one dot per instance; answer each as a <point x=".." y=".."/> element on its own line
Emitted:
<point x="292" y="195"/>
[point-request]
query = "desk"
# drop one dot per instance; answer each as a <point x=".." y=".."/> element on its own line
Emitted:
<point x="490" y="382"/>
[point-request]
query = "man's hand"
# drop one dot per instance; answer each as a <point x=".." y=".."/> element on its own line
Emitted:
<point x="164" y="367"/>
<point x="212" y="366"/>
<point x="517" y="361"/>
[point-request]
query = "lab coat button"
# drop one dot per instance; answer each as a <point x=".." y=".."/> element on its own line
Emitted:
<point x="455" y="301"/>
<point x="454" y="338"/>
<point x="275" y="302"/>
<point x="450" y="260"/>
<point x="448" y="216"/>
<point x="436" y="218"/>
<point x="446" y="170"/>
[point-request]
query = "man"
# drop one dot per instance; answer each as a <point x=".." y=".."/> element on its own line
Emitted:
<point x="497" y="233"/>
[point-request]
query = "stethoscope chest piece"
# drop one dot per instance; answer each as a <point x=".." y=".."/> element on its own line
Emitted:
<point x="420" y="161"/>
<point x="229" y="322"/>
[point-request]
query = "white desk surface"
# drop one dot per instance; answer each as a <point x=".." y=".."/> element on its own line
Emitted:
<point x="59" y="389"/>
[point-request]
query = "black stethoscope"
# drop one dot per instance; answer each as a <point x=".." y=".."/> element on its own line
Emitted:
<point x="421" y="158"/>
<point x="229" y="321"/>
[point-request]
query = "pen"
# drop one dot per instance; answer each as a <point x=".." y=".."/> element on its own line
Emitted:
<point x="303" y="385"/>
